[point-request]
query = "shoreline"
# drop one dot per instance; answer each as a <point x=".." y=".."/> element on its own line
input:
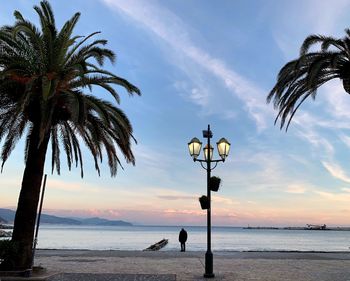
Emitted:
<point x="271" y="255"/>
<point x="199" y="251"/>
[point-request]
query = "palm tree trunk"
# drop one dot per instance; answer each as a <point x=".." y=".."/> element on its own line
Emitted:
<point x="24" y="225"/>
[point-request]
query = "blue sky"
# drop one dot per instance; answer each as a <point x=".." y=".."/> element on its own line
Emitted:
<point x="199" y="63"/>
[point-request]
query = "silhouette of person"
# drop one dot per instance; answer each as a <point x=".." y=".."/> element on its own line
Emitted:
<point x="183" y="239"/>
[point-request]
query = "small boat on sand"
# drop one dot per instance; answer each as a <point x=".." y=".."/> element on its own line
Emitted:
<point x="157" y="246"/>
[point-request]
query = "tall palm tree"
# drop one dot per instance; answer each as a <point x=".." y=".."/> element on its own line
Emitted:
<point x="44" y="77"/>
<point x="300" y="78"/>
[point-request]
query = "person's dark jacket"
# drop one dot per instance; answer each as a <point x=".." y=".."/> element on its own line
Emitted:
<point x="183" y="236"/>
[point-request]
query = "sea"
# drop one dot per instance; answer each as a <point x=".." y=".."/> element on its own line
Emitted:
<point x="223" y="238"/>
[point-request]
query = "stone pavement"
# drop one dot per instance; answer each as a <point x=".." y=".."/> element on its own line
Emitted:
<point x="111" y="277"/>
<point x="235" y="266"/>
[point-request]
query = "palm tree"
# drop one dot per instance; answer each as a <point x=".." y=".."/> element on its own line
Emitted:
<point x="300" y="78"/>
<point x="44" y="76"/>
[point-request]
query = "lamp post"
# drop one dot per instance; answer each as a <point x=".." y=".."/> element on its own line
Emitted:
<point x="223" y="149"/>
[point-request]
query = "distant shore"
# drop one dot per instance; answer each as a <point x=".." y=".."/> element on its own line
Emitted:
<point x="338" y="228"/>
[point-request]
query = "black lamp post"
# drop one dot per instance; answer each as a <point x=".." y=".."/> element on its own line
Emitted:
<point x="223" y="149"/>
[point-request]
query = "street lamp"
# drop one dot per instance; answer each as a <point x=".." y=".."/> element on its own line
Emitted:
<point x="223" y="149"/>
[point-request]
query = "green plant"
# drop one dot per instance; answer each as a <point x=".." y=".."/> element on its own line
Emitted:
<point x="8" y="252"/>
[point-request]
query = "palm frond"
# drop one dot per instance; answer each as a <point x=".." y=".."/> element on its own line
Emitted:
<point x="309" y="41"/>
<point x="55" y="149"/>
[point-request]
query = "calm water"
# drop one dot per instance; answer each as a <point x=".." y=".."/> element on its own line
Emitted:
<point x="223" y="238"/>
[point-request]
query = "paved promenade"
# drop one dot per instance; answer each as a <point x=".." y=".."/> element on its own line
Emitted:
<point x="235" y="266"/>
<point x="240" y="266"/>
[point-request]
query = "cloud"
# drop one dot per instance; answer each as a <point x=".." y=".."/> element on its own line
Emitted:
<point x="329" y="12"/>
<point x="107" y="213"/>
<point x="183" y="212"/>
<point x="252" y="202"/>
<point x="336" y="171"/>
<point x="148" y="163"/>
<point x="196" y="95"/>
<point x="229" y="215"/>
<point x="71" y="186"/>
<point x="345" y="139"/>
<point x="337" y="102"/>
<point x="296" y="189"/>
<point x="149" y="157"/>
<point x="316" y="140"/>
<point x="338" y="197"/>
<point x="176" y="197"/>
<point x="171" y="29"/>
<point x="223" y="200"/>
<point x="215" y="198"/>
<point x="331" y="106"/>
<point x="319" y="17"/>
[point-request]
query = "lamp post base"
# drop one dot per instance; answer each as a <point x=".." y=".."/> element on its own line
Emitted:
<point x="209" y="265"/>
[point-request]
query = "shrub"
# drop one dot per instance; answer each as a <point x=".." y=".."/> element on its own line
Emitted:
<point x="8" y="250"/>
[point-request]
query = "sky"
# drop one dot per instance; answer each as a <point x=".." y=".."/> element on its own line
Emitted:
<point x="203" y="62"/>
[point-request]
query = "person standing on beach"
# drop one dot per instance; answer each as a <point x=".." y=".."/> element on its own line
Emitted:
<point x="183" y="239"/>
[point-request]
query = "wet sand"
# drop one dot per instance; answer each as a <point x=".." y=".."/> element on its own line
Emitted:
<point x="240" y="266"/>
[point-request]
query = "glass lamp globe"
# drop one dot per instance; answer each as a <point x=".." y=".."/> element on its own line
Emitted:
<point x="223" y="148"/>
<point x="208" y="151"/>
<point x="194" y="147"/>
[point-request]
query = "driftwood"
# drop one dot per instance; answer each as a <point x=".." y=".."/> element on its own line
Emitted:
<point x="157" y="246"/>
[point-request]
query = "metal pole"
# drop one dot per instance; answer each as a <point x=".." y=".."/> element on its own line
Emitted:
<point x="38" y="220"/>
<point x="209" y="255"/>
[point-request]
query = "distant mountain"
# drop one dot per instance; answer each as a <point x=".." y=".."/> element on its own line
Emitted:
<point x="58" y="220"/>
<point x="99" y="221"/>
<point x="2" y="220"/>
<point x="9" y="216"/>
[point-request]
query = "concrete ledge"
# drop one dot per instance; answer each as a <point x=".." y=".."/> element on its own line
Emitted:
<point x="93" y="277"/>
<point x="112" y="277"/>
<point x="33" y="278"/>
<point x="37" y="273"/>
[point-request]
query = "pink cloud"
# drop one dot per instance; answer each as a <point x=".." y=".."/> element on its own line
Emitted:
<point x="220" y="217"/>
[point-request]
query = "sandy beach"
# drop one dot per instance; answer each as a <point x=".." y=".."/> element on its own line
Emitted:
<point x="240" y="266"/>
